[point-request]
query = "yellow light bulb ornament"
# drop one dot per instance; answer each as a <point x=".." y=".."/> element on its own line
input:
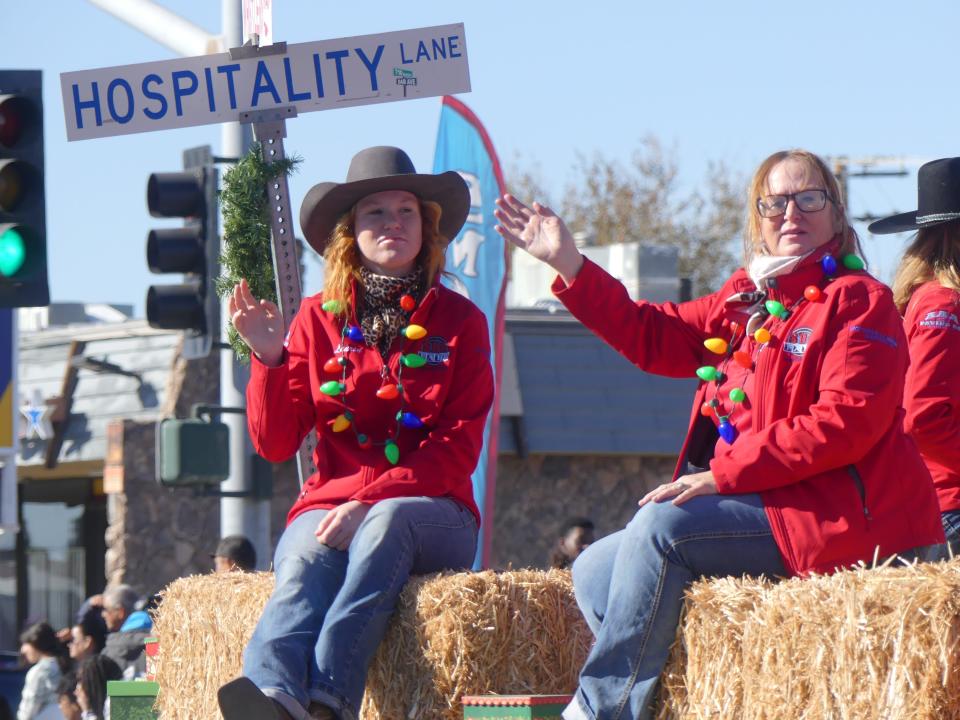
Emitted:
<point x="716" y="345"/>
<point x="762" y="335"/>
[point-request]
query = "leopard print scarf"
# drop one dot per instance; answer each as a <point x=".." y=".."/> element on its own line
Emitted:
<point x="379" y="311"/>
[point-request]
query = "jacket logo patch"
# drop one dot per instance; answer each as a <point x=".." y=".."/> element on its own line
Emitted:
<point x="871" y="334"/>
<point x="796" y="342"/>
<point x="349" y="348"/>
<point x="942" y="320"/>
<point x="435" y="351"/>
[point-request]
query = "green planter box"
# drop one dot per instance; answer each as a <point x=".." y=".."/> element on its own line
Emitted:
<point x="132" y="699"/>
<point x="516" y="707"/>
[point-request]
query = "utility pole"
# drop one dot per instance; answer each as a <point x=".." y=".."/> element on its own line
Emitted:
<point x="238" y="515"/>
<point x="841" y="166"/>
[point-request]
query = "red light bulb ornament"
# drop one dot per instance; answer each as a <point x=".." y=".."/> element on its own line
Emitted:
<point x="388" y="392"/>
<point x="334" y="365"/>
<point x="407" y="303"/>
<point x="812" y="293"/>
<point x="743" y="359"/>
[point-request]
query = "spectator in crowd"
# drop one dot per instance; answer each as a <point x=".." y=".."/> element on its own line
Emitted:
<point x="48" y="656"/>
<point x="128" y="628"/>
<point x="67" y="697"/>
<point x="92" y="677"/>
<point x="575" y="536"/>
<point x="88" y="636"/>
<point x="234" y="552"/>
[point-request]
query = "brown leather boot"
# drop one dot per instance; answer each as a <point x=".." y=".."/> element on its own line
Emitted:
<point x="319" y="711"/>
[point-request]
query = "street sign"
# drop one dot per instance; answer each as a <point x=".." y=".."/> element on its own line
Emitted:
<point x="322" y="75"/>
<point x="258" y="20"/>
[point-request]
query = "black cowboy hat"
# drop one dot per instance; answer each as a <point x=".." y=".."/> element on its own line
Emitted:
<point x="374" y="170"/>
<point x="938" y="199"/>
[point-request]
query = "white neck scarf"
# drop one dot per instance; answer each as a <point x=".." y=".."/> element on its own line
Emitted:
<point x="764" y="267"/>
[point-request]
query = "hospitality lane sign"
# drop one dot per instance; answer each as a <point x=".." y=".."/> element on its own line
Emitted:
<point x="207" y="89"/>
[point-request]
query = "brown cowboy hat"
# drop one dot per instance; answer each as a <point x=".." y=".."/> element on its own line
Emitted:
<point x="374" y="170"/>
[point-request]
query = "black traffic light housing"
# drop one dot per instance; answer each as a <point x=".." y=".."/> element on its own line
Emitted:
<point x="194" y="250"/>
<point x="23" y="224"/>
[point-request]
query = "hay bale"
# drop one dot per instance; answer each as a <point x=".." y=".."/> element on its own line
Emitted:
<point x="866" y="643"/>
<point x="203" y="624"/>
<point x="453" y="634"/>
<point x="510" y="633"/>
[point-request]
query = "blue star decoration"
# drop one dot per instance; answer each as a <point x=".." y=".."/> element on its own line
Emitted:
<point x="37" y="414"/>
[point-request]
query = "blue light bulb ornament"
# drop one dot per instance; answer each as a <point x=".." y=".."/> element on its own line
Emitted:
<point x="727" y="431"/>
<point x="829" y="265"/>
<point x="355" y="334"/>
<point x="408" y="419"/>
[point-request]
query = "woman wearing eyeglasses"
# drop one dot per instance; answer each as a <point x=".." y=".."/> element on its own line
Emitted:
<point x="795" y="460"/>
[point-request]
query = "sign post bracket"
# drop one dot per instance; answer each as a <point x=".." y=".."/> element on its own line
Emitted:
<point x="269" y="129"/>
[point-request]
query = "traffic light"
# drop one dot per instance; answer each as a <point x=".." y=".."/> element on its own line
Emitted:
<point x="23" y="226"/>
<point x="194" y="250"/>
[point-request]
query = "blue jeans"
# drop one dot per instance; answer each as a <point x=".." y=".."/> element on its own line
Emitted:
<point x="329" y="608"/>
<point x="951" y="528"/>
<point x="630" y="587"/>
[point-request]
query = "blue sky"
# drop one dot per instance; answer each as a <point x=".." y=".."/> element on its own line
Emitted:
<point x="730" y="81"/>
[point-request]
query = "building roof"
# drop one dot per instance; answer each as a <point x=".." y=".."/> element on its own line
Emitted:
<point x="120" y="370"/>
<point x="568" y="392"/>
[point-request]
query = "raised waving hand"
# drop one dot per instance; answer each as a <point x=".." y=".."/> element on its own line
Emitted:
<point x="541" y="232"/>
<point x="259" y="323"/>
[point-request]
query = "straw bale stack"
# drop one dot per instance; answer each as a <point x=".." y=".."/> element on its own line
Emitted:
<point x="453" y="634"/>
<point x="880" y="643"/>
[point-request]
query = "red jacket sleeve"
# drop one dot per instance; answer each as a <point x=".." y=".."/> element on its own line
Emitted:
<point x="932" y="394"/>
<point x="664" y="339"/>
<point x="280" y="409"/>
<point x="450" y="451"/>
<point x="859" y="392"/>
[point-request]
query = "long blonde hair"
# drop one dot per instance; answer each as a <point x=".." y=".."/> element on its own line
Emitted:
<point x="342" y="260"/>
<point x="753" y="238"/>
<point x="934" y="254"/>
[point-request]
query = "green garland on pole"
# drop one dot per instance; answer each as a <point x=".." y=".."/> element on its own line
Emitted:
<point x="246" y="230"/>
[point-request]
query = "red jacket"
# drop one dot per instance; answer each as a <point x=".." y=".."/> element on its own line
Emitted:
<point x="932" y="392"/>
<point x="451" y="394"/>
<point x="827" y="453"/>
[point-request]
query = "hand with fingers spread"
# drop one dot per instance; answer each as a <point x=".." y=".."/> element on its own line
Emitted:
<point x="338" y="526"/>
<point x="259" y="324"/>
<point x="541" y="232"/>
<point x="682" y="489"/>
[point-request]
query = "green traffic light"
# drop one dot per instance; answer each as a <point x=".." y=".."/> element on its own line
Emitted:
<point x="12" y="252"/>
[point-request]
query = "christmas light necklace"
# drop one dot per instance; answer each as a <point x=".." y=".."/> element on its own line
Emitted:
<point x="762" y="336"/>
<point x="339" y="363"/>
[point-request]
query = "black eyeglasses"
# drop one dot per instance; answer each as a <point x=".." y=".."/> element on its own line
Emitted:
<point x="808" y="201"/>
